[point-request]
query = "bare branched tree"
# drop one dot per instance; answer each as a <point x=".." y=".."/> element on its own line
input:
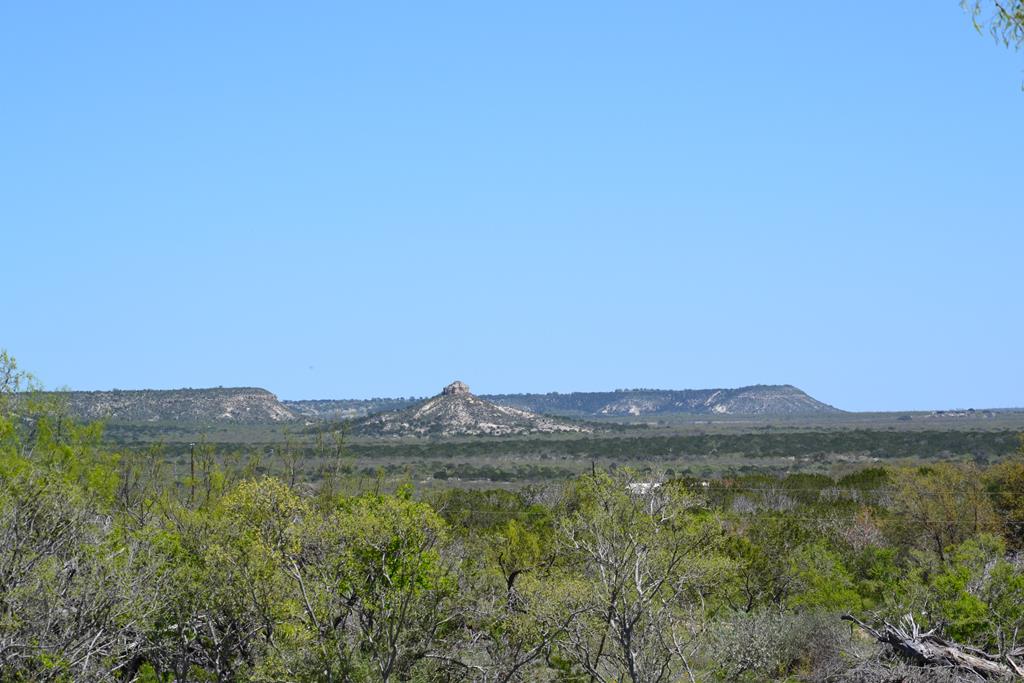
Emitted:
<point x="647" y="552"/>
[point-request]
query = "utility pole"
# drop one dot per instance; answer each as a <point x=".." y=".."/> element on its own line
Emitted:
<point x="192" y="473"/>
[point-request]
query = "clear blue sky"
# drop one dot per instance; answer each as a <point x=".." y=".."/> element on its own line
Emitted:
<point x="372" y="199"/>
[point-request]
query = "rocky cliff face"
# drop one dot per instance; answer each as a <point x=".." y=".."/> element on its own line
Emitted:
<point x="457" y="412"/>
<point x="245" y="404"/>
<point x="345" y="408"/>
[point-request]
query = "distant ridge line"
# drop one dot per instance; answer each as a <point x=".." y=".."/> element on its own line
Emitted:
<point x="254" y="404"/>
<point x="759" y="399"/>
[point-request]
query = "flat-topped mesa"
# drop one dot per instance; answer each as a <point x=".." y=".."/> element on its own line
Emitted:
<point x="232" y="404"/>
<point x="456" y="388"/>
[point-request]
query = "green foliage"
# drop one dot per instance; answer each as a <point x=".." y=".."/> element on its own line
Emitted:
<point x="112" y="568"/>
<point x="756" y="445"/>
<point x="762" y="552"/>
<point x="1005" y="487"/>
<point x="980" y="595"/>
<point x="940" y="506"/>
<point x="1004" y="21"/>
<point x="823" y="581"/>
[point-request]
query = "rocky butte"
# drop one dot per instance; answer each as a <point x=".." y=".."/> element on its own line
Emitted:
<point x="456" y="388"/>
<point x="458" y="412"/>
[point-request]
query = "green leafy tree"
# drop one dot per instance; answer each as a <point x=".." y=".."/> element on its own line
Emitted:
<point x="376" y="588"/>
<point x="980" y="596"/>
<point x="1005" y="485"/>
<point x="940" y="506"/>
<point x="229" y="596"/>
<point x="762" y="549"/>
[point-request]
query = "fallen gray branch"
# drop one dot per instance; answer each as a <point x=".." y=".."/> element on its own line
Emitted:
<point x="925" y="648"/>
